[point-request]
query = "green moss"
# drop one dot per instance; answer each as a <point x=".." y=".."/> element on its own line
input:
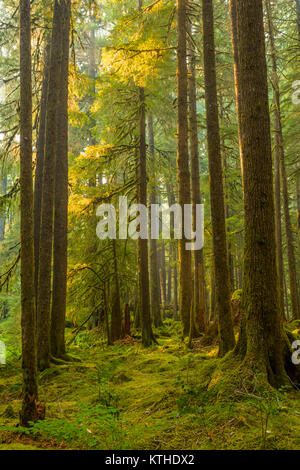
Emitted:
<point x="175" y="398"/>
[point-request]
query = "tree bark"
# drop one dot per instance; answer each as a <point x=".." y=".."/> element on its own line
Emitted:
<point x="46" y="238"/>
<point x="40" y="155"/>
<point x="3" y="211"/>
<point x="29" y="365"/>
<point x="154" y="270"/>
<point x="199" y="274"/>
<point x="60" y="244"/>
<point x="116" y="320"/>
<point x="281" y="156"/>
<point x="222" y="283"/>
<point x="183" y="172"/>
<point x="236" y="67"/>
<point x="278" y="142"/>
<point x="147" y="334"/>
<point x="261" y="288"/>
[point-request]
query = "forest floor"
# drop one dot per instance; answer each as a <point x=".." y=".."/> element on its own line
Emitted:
<point x="128" y="397"/>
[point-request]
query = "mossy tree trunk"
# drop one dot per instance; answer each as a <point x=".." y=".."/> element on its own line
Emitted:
<point x="264" y="345"/>
<point x="40" y="154"/>
<point x="277" y="156"/>
<point x="199" y="274"/>
<point x="147" y="334"/>
<point x="116" y="318"/>
<point x="280" y="158"/>
<point x="298" y="175"/>
<point x="3" y="185"/>
<point x="183" y="172"/>
<point x="221" y="268"/>
<point x="153" y="255"/>
<point x="236" y="67"/>
<point x="29" y="365"/>
<point x="60" y="243"/>
<point x="47" y="210"/>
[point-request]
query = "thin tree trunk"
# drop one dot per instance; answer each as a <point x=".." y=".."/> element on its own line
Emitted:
<point x="147" y="334"/>
<point x="116" y="320"/>
<point x="298" y="175"/>
<point x="281" y="155"/>
<point x="175" y="274"/>
<point x="40" y="154"/>
<point x="298" y="16"/>
<point x="169" y="290"/>
<point x="183" y="172"/>
<point x="223" y="300"/>
<point x="60" y="245"/>
<point x="277" y="157"/>
<point x="154" y="270"/>
<point x="163" y="299"/>
<point x="199" y="276"/>
<point x="212" y="312"/>
<point x="3" y="211"/>
<point x="236" y="67"/>
<point x="29" y="365"/>
<point x="46" y="238"/>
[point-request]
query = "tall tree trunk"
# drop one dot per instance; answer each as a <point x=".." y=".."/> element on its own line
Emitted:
<point x="199" y="276"/>
<point x="175" y="275"/>
<point x="298" y="16"/>
<point x="298" y="175"/>
<point x="147" y="334"/>
<point x="169" y="289"/>
<point x="261" y="288"/>
<point x="60" y="245"/>
<point x="298" y="207"/>
<point x="40" y="155"/>
<point x="236" y="67"/>
<point x="223" y="300"/>
<point x="29" y="366"/>
<point x="183" y="172"/>
<point x="281" y="156"/>
<point x="116" y="319"/>
<point x="47" y="211"/>
<point x="278" y="143"/>
<point x="154" y="270"/>
<point x="3" y="211"/>
<point x="212" y="310"/>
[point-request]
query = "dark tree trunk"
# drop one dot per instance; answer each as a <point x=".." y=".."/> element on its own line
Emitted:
<point x="183" y="172"/>
<point x="236" y="67"/>
<point x="278" y="142"/>
<point x="47" y="211"/>
<point x="147" y="334"/>
<point x="175" y="274"/>
<point x="199" y="305"/>
<point x="3" y="210"/>
<point x="154" y="269"/>
<point x="222" y="285"/>
<point x="281" y="156"/>
<point x="264" y="352"/>
<point x="60" y="244"/>
<point x="162" y="292"/>
<point x="116" y="320"/>
<point x="127" y="324"/>
<point x="40" y="154"/>
<point x="298" y="16"/>
<point x="29" y="366"/>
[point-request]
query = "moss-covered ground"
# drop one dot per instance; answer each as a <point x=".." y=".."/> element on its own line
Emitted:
<point x="128" y="397"/>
